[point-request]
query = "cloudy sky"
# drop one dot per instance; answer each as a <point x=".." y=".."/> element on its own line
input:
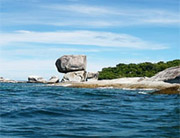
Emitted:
<point x="34" y="33"/>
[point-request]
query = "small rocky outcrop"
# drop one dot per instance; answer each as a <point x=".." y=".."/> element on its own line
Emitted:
<point x="92" y="76"/>
<point x="7" y="80"/>
<point x="77" y="76"/>
<point x="53" y="79"/>
<point x="1" y="79"/>
<point x="69" y="63"/>
<point x="170" y="75"/>
<point x="36" y="79"/>
<point x="170" y="90"/>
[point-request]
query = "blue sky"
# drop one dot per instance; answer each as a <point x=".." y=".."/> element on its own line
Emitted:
<point x="34" y="33"/>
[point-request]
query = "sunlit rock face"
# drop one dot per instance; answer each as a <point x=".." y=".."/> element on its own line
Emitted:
<point x="70" y="63"/>
<point x="36" y="79"/>
<point x="7" y="80"/>
<point x="171" y="75"/>
<point x="77" y="76"/>
<point x="53" y="79"/>
<point x="92" y="76"/>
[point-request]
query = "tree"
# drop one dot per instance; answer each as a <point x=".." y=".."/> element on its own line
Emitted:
<point x="147" y="69"/>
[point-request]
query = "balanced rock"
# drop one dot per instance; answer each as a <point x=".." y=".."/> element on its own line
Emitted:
<point x="53" y="79"/>
<point x="69" y="63"/>
<point x="171" y="75"/>
<point x="36" y="79"/>
<point x="77" y="76"/>
<point x="92" y="76"/>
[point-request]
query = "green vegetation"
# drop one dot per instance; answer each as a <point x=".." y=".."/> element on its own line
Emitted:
<point x="147" y="69"/>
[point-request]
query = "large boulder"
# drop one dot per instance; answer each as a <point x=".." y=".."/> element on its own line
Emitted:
<point x="77" y="76"/>
<point x="171" y="75"/>
<point x="69" y="63"/>
<point x="53" y="79"/>
<point x="36" y="79"/>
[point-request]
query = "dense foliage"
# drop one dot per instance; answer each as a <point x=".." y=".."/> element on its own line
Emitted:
<point x="147" y="69"/>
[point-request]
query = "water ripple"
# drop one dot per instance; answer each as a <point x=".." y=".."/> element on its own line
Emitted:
<point x="41" y="111"/>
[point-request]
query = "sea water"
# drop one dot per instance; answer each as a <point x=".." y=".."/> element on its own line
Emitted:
<point x="42" y="111"/>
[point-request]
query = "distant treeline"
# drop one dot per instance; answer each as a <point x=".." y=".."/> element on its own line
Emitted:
<point x="147" y="69"/>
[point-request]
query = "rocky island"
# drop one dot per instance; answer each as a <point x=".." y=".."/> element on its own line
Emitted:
<point x="74" y="67"/>
<point x="75" y="75"/>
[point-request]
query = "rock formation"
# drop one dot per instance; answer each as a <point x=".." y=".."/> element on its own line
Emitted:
<point x="53" y="79"/>
<point x="171" y="75"/>
<point x="69" y="63"/>
<point x="92" y="76"/>
<point x="7" y="80"/>
<point x="1" y="79"/>
<point x="74" y="67"/>
<point x="169" y="90"/>
<point x="77" y="76"/>
<point x="36" y="79"/>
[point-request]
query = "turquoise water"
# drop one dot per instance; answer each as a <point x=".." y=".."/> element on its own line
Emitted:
<point x="41" y="111"/>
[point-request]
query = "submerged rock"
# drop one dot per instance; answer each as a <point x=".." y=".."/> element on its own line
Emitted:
<point x="77" y="76"/>
<point x="171" y="75"/>
<point x="53" y="79"/>
<point x="36" y="79"/>
<point x="69" y="63"/>
<point x="170" y="90"/>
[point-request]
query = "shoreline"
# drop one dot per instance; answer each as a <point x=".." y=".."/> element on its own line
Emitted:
<point x="122" y="83"/>
<point x="130" y="83"/>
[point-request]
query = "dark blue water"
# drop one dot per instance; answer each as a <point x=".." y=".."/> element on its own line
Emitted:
<point x="40" y="111"/>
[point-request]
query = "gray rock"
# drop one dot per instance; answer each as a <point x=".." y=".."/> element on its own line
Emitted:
<point x="36" y="79"/>
<point x="92" y="76"/>
<point x="7" y="80"/>
<point x="69" y="63"/>
<point x="11" y="81"/>
<point x="77" y="76"/>
<point x="53" y="79"/>
<point x="1" y="79"/>
<point x="171" y="75"/>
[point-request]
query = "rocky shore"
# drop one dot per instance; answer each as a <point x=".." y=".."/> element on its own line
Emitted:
<point x="123" y="83"/>
<point x="75" y="75"/>
<point x="7" y="80"/>
<point x="127" y="83"/>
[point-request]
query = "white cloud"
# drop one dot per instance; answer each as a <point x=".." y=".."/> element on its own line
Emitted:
<point x="90" y="16"/>
<point x="163" y="21"/>
<point x="92" y="38"/>
<point x="44" y="52"/>
<point x="93" y="23"/>
<point x="83" y="9"/>
<point x="122" y="16"/>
